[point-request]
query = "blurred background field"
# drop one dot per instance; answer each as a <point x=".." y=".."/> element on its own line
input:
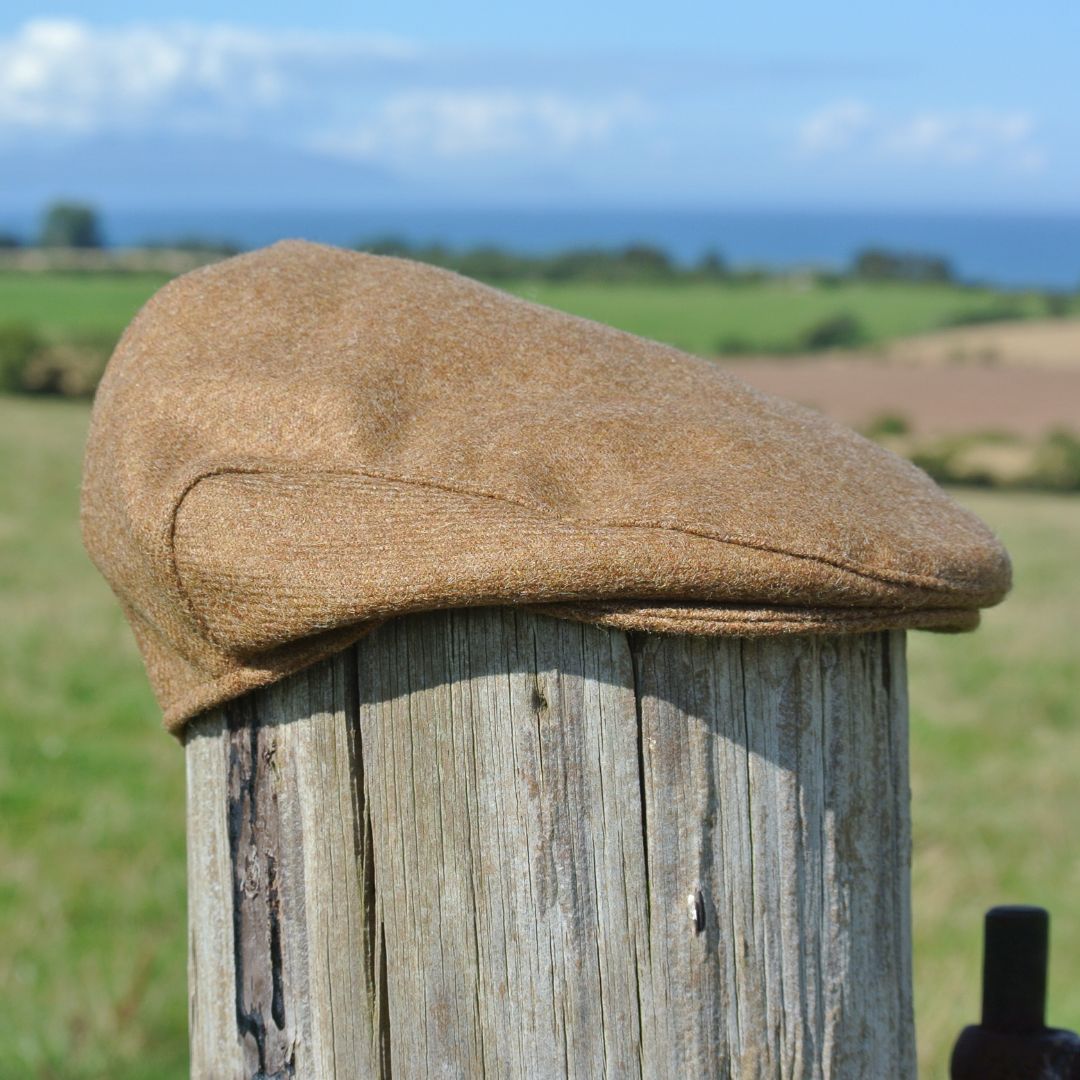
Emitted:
<point x="708" y="309"/>
<point x="977" y="384"/>
<point x="91" y="791"/>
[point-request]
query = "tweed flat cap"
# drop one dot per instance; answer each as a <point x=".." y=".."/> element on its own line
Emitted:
<point x="293" y="445"/>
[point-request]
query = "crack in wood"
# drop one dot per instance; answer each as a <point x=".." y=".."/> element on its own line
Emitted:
<point x="256" y="905"/>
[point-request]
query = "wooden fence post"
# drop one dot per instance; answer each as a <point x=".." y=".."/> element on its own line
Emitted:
<point x="492" y="843"/>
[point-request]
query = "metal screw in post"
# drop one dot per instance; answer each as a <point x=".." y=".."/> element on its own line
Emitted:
<point x="1013" y="1041"/>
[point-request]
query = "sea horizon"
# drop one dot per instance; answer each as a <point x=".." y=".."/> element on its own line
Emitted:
<point x="1012" y="249"/>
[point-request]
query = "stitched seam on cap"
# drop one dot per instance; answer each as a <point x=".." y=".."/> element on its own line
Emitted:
<point x="755" y="615"/>
<point x="825" y="621"/>
<point x="705" y="532"/>
<point x="887" y="578"/>
<point x="174" y="566"/>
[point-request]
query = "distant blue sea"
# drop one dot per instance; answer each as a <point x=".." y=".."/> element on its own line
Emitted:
<point x="1012" y="250"/>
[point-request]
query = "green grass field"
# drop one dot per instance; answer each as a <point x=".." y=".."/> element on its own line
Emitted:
<point x="63" y="304"/>
<point x="91" y="796"/>
<point x="694" y="316"/>
<point x="92" y="959"/>
<point x="769" y="315"/>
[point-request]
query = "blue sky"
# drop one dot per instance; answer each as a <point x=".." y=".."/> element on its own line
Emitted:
<point x="921" y="105"/>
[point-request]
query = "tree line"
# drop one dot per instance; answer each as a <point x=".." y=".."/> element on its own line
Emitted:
<point x="70" y="224"/>
<point x="648" y="263"/>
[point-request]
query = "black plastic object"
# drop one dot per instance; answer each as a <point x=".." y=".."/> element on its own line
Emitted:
<point x="1013" y="1041"/>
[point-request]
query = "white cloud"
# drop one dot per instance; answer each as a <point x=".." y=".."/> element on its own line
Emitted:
<point x="64" y="76"/>
<point x="834" y="127"/>
<point x="462" y="123"/>
<point x="353" y="96"/>
<point x="958" y="137"/>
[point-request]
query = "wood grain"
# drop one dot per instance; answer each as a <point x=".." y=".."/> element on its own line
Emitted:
<point x="283" y="970"/>
<point x="491" y="843"/>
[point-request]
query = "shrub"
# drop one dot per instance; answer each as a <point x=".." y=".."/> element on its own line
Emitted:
<point x="1001" y="460"/>
<point x="492" y="264"/>
<point x="644" y="260"/>
<point x="749" y="275"/>
<point x="67" y="369"/>
<point x="888" y="425"/>
<point x="70" y="224"/>
<point x="1057" y="304"/>
<point x="840" y="331"/>
<point x="880" y="264"/>
<point x="196" y="245"/>
<point x="19" y="344"/>
<point x="1057" y="462"/>
<point x="935" y="460"/>
<point x="981" y="316"/>
<point x="712" y="265"/>
<point x="31" y="365"/>
<point x="734" y="345"/>
<point x="638" y="262"/>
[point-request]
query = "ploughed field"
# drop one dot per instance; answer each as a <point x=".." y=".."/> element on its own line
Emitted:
<point x="950" y="399"/>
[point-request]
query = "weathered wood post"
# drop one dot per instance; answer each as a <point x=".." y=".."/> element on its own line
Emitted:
<point x="492" y="843"/>
<point x="542" y="688"/>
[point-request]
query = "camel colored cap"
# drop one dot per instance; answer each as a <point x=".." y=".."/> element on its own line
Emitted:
<point x="292" y="446"/>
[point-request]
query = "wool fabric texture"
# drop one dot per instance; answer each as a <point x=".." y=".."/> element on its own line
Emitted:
<point x="296" y="444"/>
